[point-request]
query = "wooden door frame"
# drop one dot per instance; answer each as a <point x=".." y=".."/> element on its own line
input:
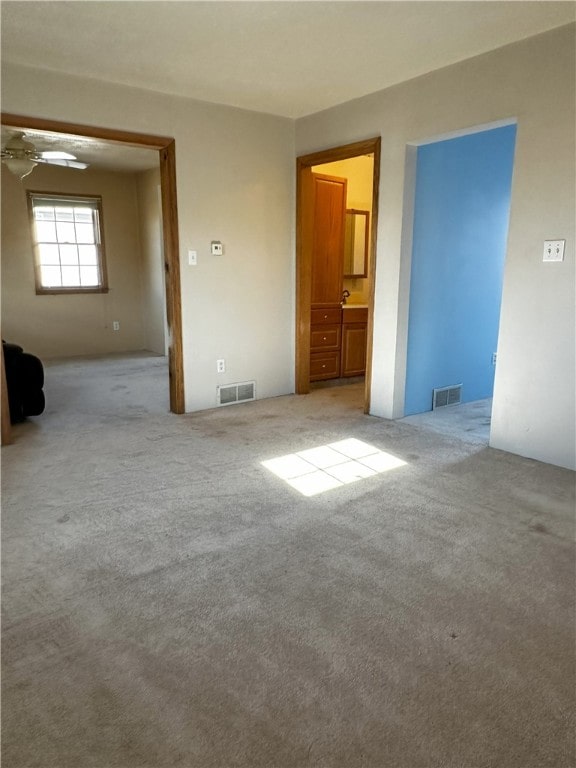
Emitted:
<point x="166" y="148"/>
<point x="304" y="263"/>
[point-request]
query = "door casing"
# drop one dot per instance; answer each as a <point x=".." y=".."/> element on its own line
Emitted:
<point x="166" y="148"/>
<point x="304" y="164"/>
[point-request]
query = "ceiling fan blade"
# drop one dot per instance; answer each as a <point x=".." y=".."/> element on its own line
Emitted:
<point x="56" y="155"/>
<point x="65" y="163"/>
<point x="76" y="164"/>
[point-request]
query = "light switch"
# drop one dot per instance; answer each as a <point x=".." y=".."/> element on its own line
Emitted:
<point x="553" y="250"/>
<point x="192" y="258"/>
<point x="216" y="248"/>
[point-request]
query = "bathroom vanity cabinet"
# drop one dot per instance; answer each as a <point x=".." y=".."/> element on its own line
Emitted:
<point x="325" y="343"/>
<point x="354" y="337"/>
<point x="338" y="342"/>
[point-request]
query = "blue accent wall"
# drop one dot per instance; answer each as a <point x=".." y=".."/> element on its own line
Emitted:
<point x="461" y="213"/>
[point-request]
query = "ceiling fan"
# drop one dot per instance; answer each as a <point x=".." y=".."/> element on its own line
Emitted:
<point x="21" y="157"/>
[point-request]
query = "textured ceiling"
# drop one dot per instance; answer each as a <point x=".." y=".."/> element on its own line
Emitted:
<point x="285" y="58"/>
<point x="97" y="153"/>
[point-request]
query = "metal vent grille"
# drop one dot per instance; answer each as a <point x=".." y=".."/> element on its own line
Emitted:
<point x="444" y="396"/>
<point x="228" y="394"/>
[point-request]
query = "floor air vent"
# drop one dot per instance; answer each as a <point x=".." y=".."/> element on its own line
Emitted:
<point x="446" y="396"/>
<point x="228" y="394"/>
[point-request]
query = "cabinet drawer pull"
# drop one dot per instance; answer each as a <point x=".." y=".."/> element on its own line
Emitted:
<point x="324" y="366"/>
<point x="323" y="338"/>
<point x="325" y="317"/>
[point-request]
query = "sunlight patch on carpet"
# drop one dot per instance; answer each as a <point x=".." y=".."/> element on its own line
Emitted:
<point x="330" y="466"/>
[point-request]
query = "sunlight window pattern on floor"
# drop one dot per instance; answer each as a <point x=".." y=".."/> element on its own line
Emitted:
<point x="316" y="470"/>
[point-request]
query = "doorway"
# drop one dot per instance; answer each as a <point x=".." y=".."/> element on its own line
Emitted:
<point x="306" y="166"/>
<point x="165" y="146"/>
<point x="460" y="229"/>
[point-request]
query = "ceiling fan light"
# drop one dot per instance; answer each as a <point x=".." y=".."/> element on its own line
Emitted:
<point x="19" y="146"/>
<point x="20" y="166"/>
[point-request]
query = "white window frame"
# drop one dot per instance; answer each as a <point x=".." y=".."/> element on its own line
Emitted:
<point x="94" y="202"/>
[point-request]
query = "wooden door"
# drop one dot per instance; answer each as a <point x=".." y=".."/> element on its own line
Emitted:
<point x="329" y="220"/>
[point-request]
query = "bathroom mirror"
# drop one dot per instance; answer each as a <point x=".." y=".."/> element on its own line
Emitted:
<point x="356" y="243"/>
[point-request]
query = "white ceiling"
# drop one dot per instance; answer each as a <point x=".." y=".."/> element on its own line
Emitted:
<point x="286" y="58"/>
<point x="105" y="155"/>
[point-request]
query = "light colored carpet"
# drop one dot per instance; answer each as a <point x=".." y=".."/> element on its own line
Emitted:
<point x="168" y="601"/>
<point x="469" y="421"/>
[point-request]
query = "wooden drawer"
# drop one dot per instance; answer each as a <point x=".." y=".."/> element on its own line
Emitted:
<point x="324" y="365"/>
<point x="355" y="315"/>
<point x="326" y="316"/>
<point x="325" y="337"/>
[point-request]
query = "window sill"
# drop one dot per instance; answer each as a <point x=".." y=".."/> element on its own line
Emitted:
<point x="65" y="291"/>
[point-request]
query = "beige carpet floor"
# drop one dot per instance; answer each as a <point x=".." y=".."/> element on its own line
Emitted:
<point x="170" y="601"/>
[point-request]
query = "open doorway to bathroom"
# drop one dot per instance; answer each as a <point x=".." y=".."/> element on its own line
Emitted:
<point x="337" y="215"/>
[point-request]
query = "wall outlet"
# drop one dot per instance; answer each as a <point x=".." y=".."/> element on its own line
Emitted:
<point x="216" y="248"/>
<point x="220" y="366"/>
<point x="115" y="325"/>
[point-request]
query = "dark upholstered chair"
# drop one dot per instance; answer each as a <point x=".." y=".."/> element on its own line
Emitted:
<point x="24" y="381"/>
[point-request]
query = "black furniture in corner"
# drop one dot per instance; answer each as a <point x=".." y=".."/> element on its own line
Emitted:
<point x="24" y="381"/>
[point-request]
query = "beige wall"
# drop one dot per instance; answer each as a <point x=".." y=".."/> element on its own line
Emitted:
<point x="533" y="82"/>
<point x="152" y="265"/>
<point x="235" y="183"/>
<point x="63" y="326"/>
<point x="359" y="173"/>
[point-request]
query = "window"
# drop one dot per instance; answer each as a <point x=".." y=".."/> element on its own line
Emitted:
<point x="68" y="247"/>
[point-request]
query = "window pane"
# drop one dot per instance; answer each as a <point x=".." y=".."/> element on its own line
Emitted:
<point x="64" y="214"/>
<point x="84" y="233"/>
<point x="88" y="255"/>
<point x="48" y="254"/>
<point x="69" y="254"/>
<point x="51" y="277"/>
<point x="83" y="215"/>
<point x="43" y="213"/>
<point x="70" y="276"/>
<point x="67" y="241"/>
<point x="89" y="276"/>
<point x="66" y="233"/>
<point x="45" y="232"/>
